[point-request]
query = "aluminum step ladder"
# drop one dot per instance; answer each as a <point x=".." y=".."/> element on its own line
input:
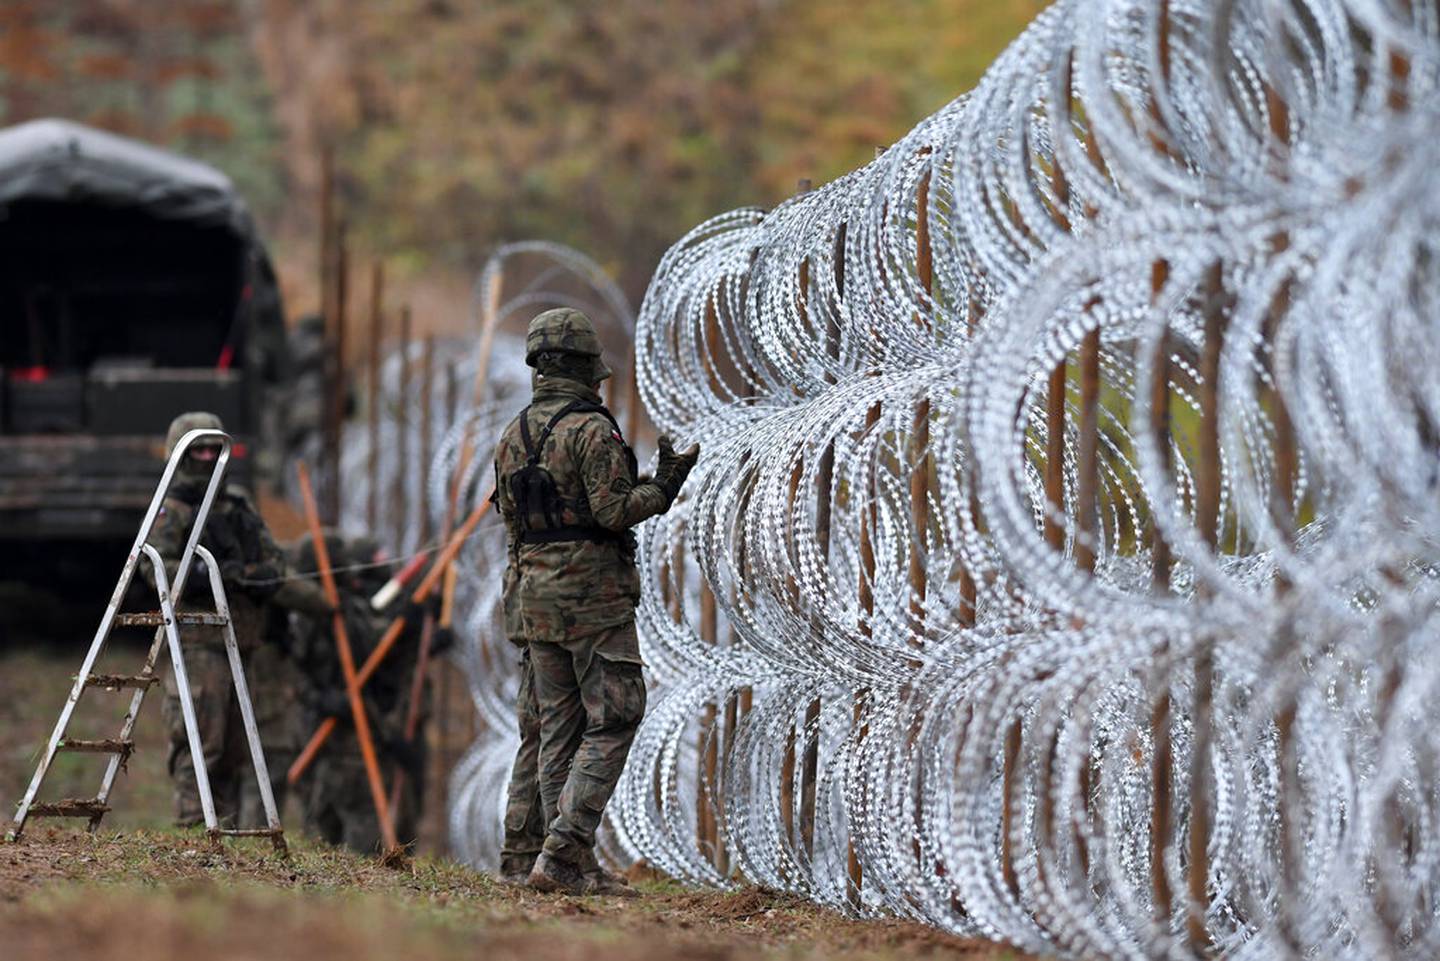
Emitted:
<point x="166" y="621"/>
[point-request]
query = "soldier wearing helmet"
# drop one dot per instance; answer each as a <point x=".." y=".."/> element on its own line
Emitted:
<point x="568" y="487"/>
<point x="254" y="573"/>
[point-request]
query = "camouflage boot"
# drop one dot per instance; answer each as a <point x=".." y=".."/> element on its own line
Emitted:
<point x="599" y="881"/>
<point x="516" y="870"/>
<point x="554" y="876"/>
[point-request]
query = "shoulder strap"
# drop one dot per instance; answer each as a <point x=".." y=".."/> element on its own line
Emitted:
<point x="574" y="407"/>
<point x="525" y="436"/>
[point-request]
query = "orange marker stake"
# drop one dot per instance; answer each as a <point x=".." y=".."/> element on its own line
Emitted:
<point x="347" y="665"/>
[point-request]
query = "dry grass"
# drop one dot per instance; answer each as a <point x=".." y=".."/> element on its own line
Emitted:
<point x="168" y="895"/>
<point x="140" y="891"/>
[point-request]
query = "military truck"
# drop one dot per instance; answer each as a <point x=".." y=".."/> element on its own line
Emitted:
<point x="133" y="287"/>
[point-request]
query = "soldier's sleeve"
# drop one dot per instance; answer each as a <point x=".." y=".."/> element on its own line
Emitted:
<point x="276" y="580"/>
<point x="617" y="498"/>
<point x="303" y="596"/>
<point x="172" y="526"/>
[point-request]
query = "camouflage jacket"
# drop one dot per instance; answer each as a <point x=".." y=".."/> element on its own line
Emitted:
<point x="252" y="565"/>
<point x="569" y="590"/>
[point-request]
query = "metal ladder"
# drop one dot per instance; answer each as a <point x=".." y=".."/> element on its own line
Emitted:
<point x="166" y="622"/>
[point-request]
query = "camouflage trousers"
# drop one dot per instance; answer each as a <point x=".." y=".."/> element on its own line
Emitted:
<point x="524" y="815"/>
<point x="591" y="697"/>
<point x="339" y="808"/>
<point x="222" y="738"/>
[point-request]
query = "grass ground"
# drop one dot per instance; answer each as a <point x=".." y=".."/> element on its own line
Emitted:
<point x="34" y="682"/>
<point x="163" y="895"/>
<point x="141" y="891"/>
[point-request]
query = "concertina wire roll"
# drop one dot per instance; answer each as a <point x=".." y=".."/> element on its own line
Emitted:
<point x="1060" y="567"/>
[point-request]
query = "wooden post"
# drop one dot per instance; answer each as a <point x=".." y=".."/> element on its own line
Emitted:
<point x="1055" y="538"/>
<point x="1087" y="449"/>
<point x="824" y="481"/>
<point x="722" y="853"/>
<point x="1055" y="458"/>
<point x="787" y="785"/>
<point x="1207" y="484"/>
<point x="1397" y="98"/>
<point x="707" y="822"/>
<point x="709" y="797"/>
<point x="1087" y="525"/>
<point x="334" y="420"/>
<point x="920" y="428"/>
<point x="328" y="287"/>
<point x="341" y="393"/>
<point x="1162" y="760"/>
<point x="372" y="402"/>
<point x="399" y="495"/>
<point x="810" y="765"/>
<point x="452" y="392"/>
<point x="1160" y="426"/>
<point x="427" y="400"/>
<point x="1207" y="511"/>
<point x="1007" y="793"/>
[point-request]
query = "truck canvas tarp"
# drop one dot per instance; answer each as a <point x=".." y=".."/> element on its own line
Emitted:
<point x="133" y="287"/>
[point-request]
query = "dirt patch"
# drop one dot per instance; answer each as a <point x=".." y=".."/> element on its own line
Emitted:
<point x="163" y="895"/>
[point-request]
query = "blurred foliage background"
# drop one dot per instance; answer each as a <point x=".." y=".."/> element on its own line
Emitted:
<point x="614" y="127"/>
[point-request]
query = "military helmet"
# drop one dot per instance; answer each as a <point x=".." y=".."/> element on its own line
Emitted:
<point x="185" y="423"/>
<point x="363" y="549"/>
<point x="303" y="553"/>
<point x="564" y="330"/>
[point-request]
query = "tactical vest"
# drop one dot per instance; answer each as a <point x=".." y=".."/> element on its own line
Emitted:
<point x="538" y="503"/>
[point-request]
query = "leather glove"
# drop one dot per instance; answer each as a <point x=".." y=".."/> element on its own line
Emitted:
<point x="672" y="468"/>
<point x="303" y="597"/>
<point x="232" y="573"/>
<point x="261" y="580"/>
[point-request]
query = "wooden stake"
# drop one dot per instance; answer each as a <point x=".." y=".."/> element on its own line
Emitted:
<point x="920" y="428"/>
<point x="1087" y="462"/>
<point x="1207" y="519"/>
<point x="709" y="798"/>
<point x="1055" y="458"/>
<point x="1162" y="761"/>
<point x="1160" y="425"/>
<point x="372" y="402"/>
<point x="399" y="488"/>
<point x="334" y="419"/>
<point x="427" y="426"/>
<point x="347" y="666"/>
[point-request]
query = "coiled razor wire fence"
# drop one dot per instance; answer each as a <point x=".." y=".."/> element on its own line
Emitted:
<point x="1061" y="564"/>
<point x="1068" y="511"/>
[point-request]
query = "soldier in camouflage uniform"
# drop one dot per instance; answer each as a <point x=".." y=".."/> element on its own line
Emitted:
<point x="568" y="488"/>
<point x="254" y="572"/>
<point x="338" y="805"/>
